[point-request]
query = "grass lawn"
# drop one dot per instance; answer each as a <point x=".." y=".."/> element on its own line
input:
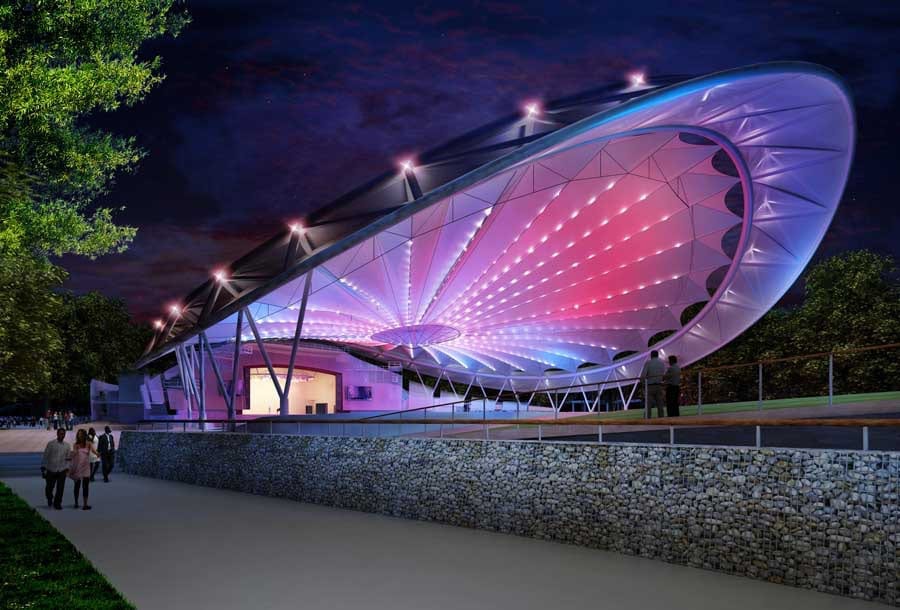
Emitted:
<point x="39" y="568"/>
<point x="752" y="405"/>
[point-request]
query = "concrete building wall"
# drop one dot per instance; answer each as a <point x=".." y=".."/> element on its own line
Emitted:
<point x="824" y="520"/>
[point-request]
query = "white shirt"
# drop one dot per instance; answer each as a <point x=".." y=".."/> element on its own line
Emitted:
<point x="56" y="456"/>
<point x="93" y="445"/>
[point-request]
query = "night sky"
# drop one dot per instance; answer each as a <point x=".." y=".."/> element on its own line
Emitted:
<point x="270" y="109"/>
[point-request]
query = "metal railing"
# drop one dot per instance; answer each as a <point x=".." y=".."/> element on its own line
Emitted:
<point x="440" y="427"/>
<point x="469" y="416"/>
<point x="760" y="369"/>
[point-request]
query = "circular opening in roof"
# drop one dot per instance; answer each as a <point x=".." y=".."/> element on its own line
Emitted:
<point x="417" y="335"/>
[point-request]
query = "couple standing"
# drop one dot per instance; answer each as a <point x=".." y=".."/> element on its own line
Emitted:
<point x="662" y="384"/>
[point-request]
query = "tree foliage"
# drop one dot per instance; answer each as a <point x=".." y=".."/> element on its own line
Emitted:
<point x="52" y="344"/>
<point x="29" y="339"/>
<point x="99" y="341"/>
<point x="61" y="62"/>
<point x="850" y="300"/>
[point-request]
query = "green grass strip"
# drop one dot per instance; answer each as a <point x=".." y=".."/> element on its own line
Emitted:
<point x="40" y="568"/>
<point x="752" y="405"/>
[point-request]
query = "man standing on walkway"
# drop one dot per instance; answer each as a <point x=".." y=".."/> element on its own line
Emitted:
<point x="672" y="379"/>
<point x="54" y="466"/>
<point x="652" y="376"/>
<point x="107" y="453"/>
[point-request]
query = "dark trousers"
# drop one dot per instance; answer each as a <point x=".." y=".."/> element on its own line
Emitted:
<point x="82" y="484"/>
<point x="108" y="459"/>
<point x="673" y="393"/>
<point x="94" y="467"/>
<point x="57" y="480"/>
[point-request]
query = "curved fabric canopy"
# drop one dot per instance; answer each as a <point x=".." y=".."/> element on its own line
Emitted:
<point x="575" y="251"/>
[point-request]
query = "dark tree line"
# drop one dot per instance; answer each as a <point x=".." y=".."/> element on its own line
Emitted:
<point x="850" y="300"/>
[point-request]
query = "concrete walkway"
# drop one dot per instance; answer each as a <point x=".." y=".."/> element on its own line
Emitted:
<point x="171" y="545"/>
<point x="29" y="440"/>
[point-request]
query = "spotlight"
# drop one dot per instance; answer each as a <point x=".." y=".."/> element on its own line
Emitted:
<point x="637" y="79"/>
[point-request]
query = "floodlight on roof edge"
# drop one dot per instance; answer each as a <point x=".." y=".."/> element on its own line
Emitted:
<point x="595" y="239"/>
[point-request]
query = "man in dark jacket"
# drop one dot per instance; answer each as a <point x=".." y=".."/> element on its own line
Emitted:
<point x="107" y="452"/>
<point x="672" y="381"/>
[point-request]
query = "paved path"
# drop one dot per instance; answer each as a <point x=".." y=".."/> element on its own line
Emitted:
<point x="28" y="440"/>
<point x="171" y="545"/>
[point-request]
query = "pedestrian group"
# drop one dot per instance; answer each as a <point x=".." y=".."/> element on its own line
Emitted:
<point x="78" y="462"/>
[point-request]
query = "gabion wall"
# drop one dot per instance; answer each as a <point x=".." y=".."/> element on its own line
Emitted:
<point x="820" y="519"/>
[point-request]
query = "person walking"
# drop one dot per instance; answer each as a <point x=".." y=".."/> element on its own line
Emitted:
<point x="107" y="452"/>
<point x="95" y="455"/>
<point x="54" y="466"/>
<point x="80" y="467"/>
<point x="652" y="376"/>
<point x="672" y="380"/>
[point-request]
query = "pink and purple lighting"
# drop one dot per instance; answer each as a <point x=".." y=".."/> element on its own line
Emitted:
<point x="715" y="192"/>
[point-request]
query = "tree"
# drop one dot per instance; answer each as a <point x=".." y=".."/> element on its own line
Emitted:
<point x="30" y="342"/>
<point x="99" y="340"/>
<point x="62" y="61"/>
<point x="850" y="300"/>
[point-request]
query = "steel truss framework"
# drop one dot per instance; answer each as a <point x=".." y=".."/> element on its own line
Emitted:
<point x="556" y="246"/>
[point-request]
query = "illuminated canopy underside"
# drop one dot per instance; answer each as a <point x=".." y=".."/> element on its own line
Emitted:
<point x="716" y="190"/>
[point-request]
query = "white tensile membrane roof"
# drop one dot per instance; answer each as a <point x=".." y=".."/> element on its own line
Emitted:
<point x="713" y="191"/>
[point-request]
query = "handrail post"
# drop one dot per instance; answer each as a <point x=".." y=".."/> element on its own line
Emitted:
<point x="830" y="378"/>
<point x="671" y="435"/>
<point x="599" y="433"/>
<point x="540" y="437"/>
<point x="760" y="399"/>
<point x="699" y="392"/>
<point x="184" y="426"/>
<point x="758" y="437"/>
<point x="865" y="432"/>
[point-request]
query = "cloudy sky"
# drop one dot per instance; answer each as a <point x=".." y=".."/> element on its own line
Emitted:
<point x="270" y="109"/>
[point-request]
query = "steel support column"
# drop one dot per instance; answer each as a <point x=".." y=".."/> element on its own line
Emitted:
<point x="265" y="354"/>
<point x="235" y="365"/>
<point x="216" y="371"/>
<point x="201" y="366"/>
<point x="284" y="407"/>
<point x="185" y="382"/>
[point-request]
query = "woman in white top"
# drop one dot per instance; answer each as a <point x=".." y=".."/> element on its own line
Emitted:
<point x="94" y="456"/>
